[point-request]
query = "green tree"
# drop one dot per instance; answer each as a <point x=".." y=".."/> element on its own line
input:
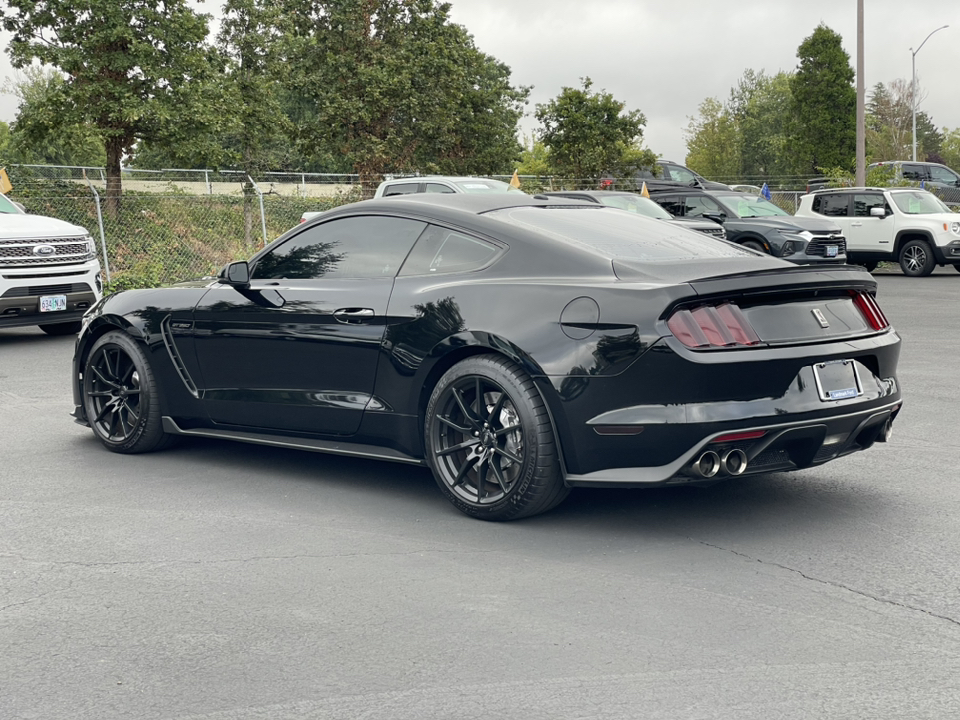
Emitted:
<point x="132" y="67"/>
<point x="714" y="141"/>
<point x="590" y="134"/>
<point x="535" y="158"/>
<point x="889" y="124"/>
<point x="37" y="137"/>
<point x="950" y="148"/>
<point x="761" y="105"/>
<point x="824" y="104"/>
<point x="394" y="86"/>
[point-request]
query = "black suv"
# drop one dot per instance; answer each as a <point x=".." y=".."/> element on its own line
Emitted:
<point x="758" y="224"/>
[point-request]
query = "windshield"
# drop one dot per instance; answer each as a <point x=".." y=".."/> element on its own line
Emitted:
<point x="637" y="204"/>
<point x="485" y="186"/>
<point x="919" y="202"/>
<point x="8" y="207"/>
<point x="750" y="207"/>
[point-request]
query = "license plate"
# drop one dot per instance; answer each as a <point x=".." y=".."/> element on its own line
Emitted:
<point x="832" y="250"/>
<point x="53" y="303"/>
<point x="837" y="380"/>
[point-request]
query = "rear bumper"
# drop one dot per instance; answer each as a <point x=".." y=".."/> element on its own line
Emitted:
<point x="783" y="446"/>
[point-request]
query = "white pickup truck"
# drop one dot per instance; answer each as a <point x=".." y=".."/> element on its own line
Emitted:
<point x="49" y="272"/>
<point x="906" y="225"/>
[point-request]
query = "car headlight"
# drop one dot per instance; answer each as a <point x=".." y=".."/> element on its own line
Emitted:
<point x="91" y="245"/>
<point x="955" y="228"/>
<point x="787" y="249"/>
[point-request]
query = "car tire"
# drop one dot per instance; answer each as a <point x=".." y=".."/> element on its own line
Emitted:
<point x="755" y="245"/>
<point x="120" y="396"/>
<point x="957" y="268"/>
<point x="869" y="266"/>
<point x="67" y="328"/>
<point x="916" y="258"/>
<point x="496" y="459"/>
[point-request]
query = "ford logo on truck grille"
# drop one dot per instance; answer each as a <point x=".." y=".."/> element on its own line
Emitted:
<point x="44" y="250"/>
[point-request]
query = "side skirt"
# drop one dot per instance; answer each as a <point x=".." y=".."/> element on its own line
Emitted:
<point x="333" y="447"/>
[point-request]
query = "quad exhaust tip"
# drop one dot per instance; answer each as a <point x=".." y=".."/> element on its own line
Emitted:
<point x="734" y="462"/>
<point x="707" y="465"/>
<point x="710" y="464"/>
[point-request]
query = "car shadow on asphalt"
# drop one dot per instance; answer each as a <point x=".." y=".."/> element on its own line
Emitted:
<point x="762" y="505"/>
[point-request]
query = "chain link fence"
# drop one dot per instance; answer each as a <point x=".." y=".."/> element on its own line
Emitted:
<point x="175" y="225"/>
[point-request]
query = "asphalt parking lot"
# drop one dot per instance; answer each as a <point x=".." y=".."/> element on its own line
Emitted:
<point x="232" y="582"/>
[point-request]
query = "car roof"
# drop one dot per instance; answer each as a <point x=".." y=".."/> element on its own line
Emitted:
<point x="432" y="178"/>
<point x="847" y="190"/>
<point x="474" y="204"/>
<point x="590" y="193"/>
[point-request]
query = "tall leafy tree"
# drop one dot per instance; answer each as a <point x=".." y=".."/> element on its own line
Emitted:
<point x="394" y="86"/>
<point x="824" y="104"/>
<point x="590" y="134"/>
<point x="714" y="141"/>
<point x="37" y="136"/>
<point x="761" y="105"/>
<point x="132" y="67"/>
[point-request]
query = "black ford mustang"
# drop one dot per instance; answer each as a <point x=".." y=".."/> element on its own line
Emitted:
<point x="517" y="346"/>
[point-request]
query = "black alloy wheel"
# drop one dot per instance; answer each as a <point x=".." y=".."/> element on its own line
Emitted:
<point x="120" y="396"/>
<point x="489" y="441"/>
<point x="916" y="259"/>
<point x="67" y="328"/>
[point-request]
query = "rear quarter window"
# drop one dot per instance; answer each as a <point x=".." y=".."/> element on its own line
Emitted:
<point x="831" y="205"/>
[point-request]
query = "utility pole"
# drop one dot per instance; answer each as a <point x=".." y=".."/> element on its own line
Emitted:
<point x="861" y="178"/>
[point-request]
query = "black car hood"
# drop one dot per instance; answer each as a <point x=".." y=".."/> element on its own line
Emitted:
<point x="788" y="223"/>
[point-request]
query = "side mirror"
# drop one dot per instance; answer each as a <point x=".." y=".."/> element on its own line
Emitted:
<point x="716" y="217"/>
<point x="878" y="212"/>
<point x="236" y="274"/>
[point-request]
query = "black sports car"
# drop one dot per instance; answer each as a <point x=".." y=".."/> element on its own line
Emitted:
<point x="516" y="346"/>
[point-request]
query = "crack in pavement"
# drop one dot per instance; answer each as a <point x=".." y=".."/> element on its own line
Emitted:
<point x="832" y="583"/>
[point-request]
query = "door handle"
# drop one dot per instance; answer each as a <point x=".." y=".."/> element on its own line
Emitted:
<point x="352" y="315"/>
<point x="856" y="224"/>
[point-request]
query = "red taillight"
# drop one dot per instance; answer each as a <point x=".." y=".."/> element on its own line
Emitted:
<point x="721" y="325"/>
<point x="868" y="307"/>
<point x="734" y="437"/>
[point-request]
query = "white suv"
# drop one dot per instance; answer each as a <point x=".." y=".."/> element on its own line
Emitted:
<point x="49" y="272"/>
<point x="442" y="184"/>
<point x="907" y="225"/>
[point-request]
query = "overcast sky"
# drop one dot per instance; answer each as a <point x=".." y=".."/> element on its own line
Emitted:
<point x="664" y="58"/>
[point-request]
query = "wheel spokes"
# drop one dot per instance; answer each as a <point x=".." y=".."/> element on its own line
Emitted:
<point x="449" y="423"/>
<point x="472" y="442"/>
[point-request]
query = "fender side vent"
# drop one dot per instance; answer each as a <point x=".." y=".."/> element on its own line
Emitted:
<point x="175" y="358"/>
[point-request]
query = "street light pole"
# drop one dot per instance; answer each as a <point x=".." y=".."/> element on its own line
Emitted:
<point x="913" y="86"/>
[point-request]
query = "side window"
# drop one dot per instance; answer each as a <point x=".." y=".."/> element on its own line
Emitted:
<point x="863" y="203"/>
<point x="671" y="203"/>
<point x="440" y="250"/>
<point x="438" y="188"/>
<point x="832" y="205"/>
<point x="401" y="189"/>
<point x="679" y="174"/>
<point x="354" y="247"/>
<point x="914" y="172"/>
<point x="940" y="174"/>
<point x="697" y="205"/>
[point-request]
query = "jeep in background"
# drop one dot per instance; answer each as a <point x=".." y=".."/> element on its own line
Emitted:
<point x="906" y="225"/>
<point x="758" y="224"/>
<point x="49" y="272"/>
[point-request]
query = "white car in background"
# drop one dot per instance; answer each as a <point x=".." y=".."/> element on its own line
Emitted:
<point x="906" y="225"/>
<point x="49" y="271"/>
<point x="443" y="184"/>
